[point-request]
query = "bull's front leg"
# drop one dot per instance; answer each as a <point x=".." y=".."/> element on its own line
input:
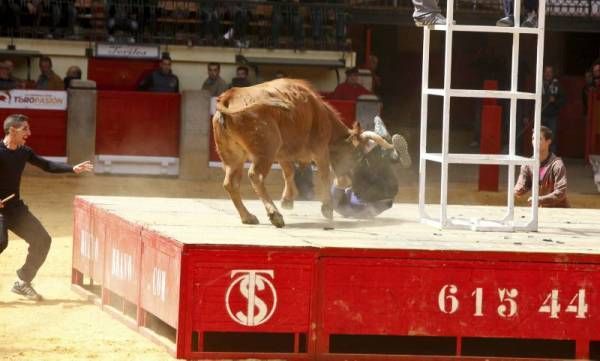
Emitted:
<point x="257" y="174"/>
<point x="325" y="177"/>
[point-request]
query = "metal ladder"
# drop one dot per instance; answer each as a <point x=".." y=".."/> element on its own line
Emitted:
<point x="507" y="223"/>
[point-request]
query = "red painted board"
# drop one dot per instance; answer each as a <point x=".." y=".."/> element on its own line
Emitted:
<point x="139" y="124"/>
<point x="346" y="108"/>
<point x="119" y="74"/>
<point x="48" y="130"/>
<point x="571" y="125"/>
<point x="593" y="124"/>
<point x="122" y="257"/>
<point x="100" y="220"/>
<point x="455" y="298"/>
<point x="248" y="290"/>
<point x="160" y="277"/>
<point x="491" y="135"/>
<point x="83" y="249"/>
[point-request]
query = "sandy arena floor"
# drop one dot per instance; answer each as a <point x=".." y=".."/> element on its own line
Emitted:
<point x="65" y="327"/>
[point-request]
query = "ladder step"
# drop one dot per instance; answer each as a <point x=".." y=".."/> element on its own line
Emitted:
<point x="489" y="29"/>
<point x="467" y="158"/>
<point x="480" y="93"/>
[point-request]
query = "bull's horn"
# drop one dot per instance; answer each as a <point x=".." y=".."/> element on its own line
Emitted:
<point x="369" y="135"/>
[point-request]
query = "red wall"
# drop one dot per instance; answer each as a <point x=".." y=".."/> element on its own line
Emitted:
<point x="136" y="123"/>
<point x="571" y="126"/>
<point x="48" y="130"/>
<point x="119" y="74"/>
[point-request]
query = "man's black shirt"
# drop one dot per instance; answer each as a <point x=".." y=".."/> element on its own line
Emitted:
<point x="12" y="163"/>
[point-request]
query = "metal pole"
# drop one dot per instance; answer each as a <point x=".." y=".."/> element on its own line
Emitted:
<point x="538" y="112"/>
<point x="424" y="105"/>
<point x="446" y="113"/>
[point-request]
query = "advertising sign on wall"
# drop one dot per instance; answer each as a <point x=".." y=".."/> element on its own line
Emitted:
<point x="33" y="99"/>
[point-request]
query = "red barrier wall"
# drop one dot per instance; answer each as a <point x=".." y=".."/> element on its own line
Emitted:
<point x="490" y="142"/>
<point x="119" y="74"/>
<point x="592" y="140"/>
<point x="137" y="123"/>
<point x="571" y="126"/>
<point x="48" y="130"/>
<point x="347" y="109"/>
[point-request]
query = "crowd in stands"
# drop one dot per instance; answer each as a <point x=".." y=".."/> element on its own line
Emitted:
<point x="47" y="80"/>
<point x="234" y="23"/>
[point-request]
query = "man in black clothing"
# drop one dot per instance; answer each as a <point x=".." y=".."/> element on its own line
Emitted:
<point x="161" y="80"/>
<point x="14" y="214"/>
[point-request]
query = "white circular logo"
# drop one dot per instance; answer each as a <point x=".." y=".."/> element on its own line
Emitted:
<point x="260" y="303"/>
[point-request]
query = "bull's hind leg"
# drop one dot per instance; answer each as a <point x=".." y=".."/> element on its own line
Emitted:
<point x="289" y="187"/>
<point x="257" y="174"/>
<point x="233" y="160"/>
<point x="231" y="183"/>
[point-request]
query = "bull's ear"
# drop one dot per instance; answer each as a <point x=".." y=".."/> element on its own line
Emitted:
<point x="356" y="128"/>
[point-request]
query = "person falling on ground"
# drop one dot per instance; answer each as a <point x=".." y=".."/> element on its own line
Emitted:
<point x="14" y="214"/>
<point x="372" y="186"/>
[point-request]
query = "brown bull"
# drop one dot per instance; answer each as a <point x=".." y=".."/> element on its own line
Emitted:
<point x="283" y="120"/>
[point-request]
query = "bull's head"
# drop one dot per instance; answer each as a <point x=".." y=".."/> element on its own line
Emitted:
<point x="346" y="153"/>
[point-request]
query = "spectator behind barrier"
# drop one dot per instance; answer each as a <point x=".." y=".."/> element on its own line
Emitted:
<point x="48" y="80"/>
<point x="214" y="84"/>
<point x="162" y="79"/>
<point x="6" y="83"/>
<point x="121" y="17"/>
<point x="351" y="88"/>
<point x="211" y="22"/>
<point x="63" y="12"/>
<point x="74" y="72"/>
<point x="241" y="78"/>
<point x="11" y="68"/>
<point x="553" y="99"/>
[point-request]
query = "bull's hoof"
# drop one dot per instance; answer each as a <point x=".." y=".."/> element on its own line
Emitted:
<point x="327" y="211"/>
<point x="287" y="203"/>
<point x="277" y="219"/>
<point x="251" y="219"/>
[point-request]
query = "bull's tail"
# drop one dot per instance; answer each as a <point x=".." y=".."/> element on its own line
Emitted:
<point x="218" y="116"/>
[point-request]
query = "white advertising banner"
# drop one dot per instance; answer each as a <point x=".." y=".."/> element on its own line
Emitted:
<point x="109" y="50"/>
<point x="33" y="99"/>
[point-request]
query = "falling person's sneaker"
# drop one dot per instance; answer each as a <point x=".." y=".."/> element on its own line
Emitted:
<point x="26" y="290"/>
<point x="401" y="150"/>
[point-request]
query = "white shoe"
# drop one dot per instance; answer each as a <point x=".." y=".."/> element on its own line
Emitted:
<point x="401" y="148"/>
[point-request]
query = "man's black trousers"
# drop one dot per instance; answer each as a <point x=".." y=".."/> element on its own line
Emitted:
<point x="21" y="222"/>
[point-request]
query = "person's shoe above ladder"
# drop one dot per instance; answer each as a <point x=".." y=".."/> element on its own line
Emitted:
<point x="431" y="19"/>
